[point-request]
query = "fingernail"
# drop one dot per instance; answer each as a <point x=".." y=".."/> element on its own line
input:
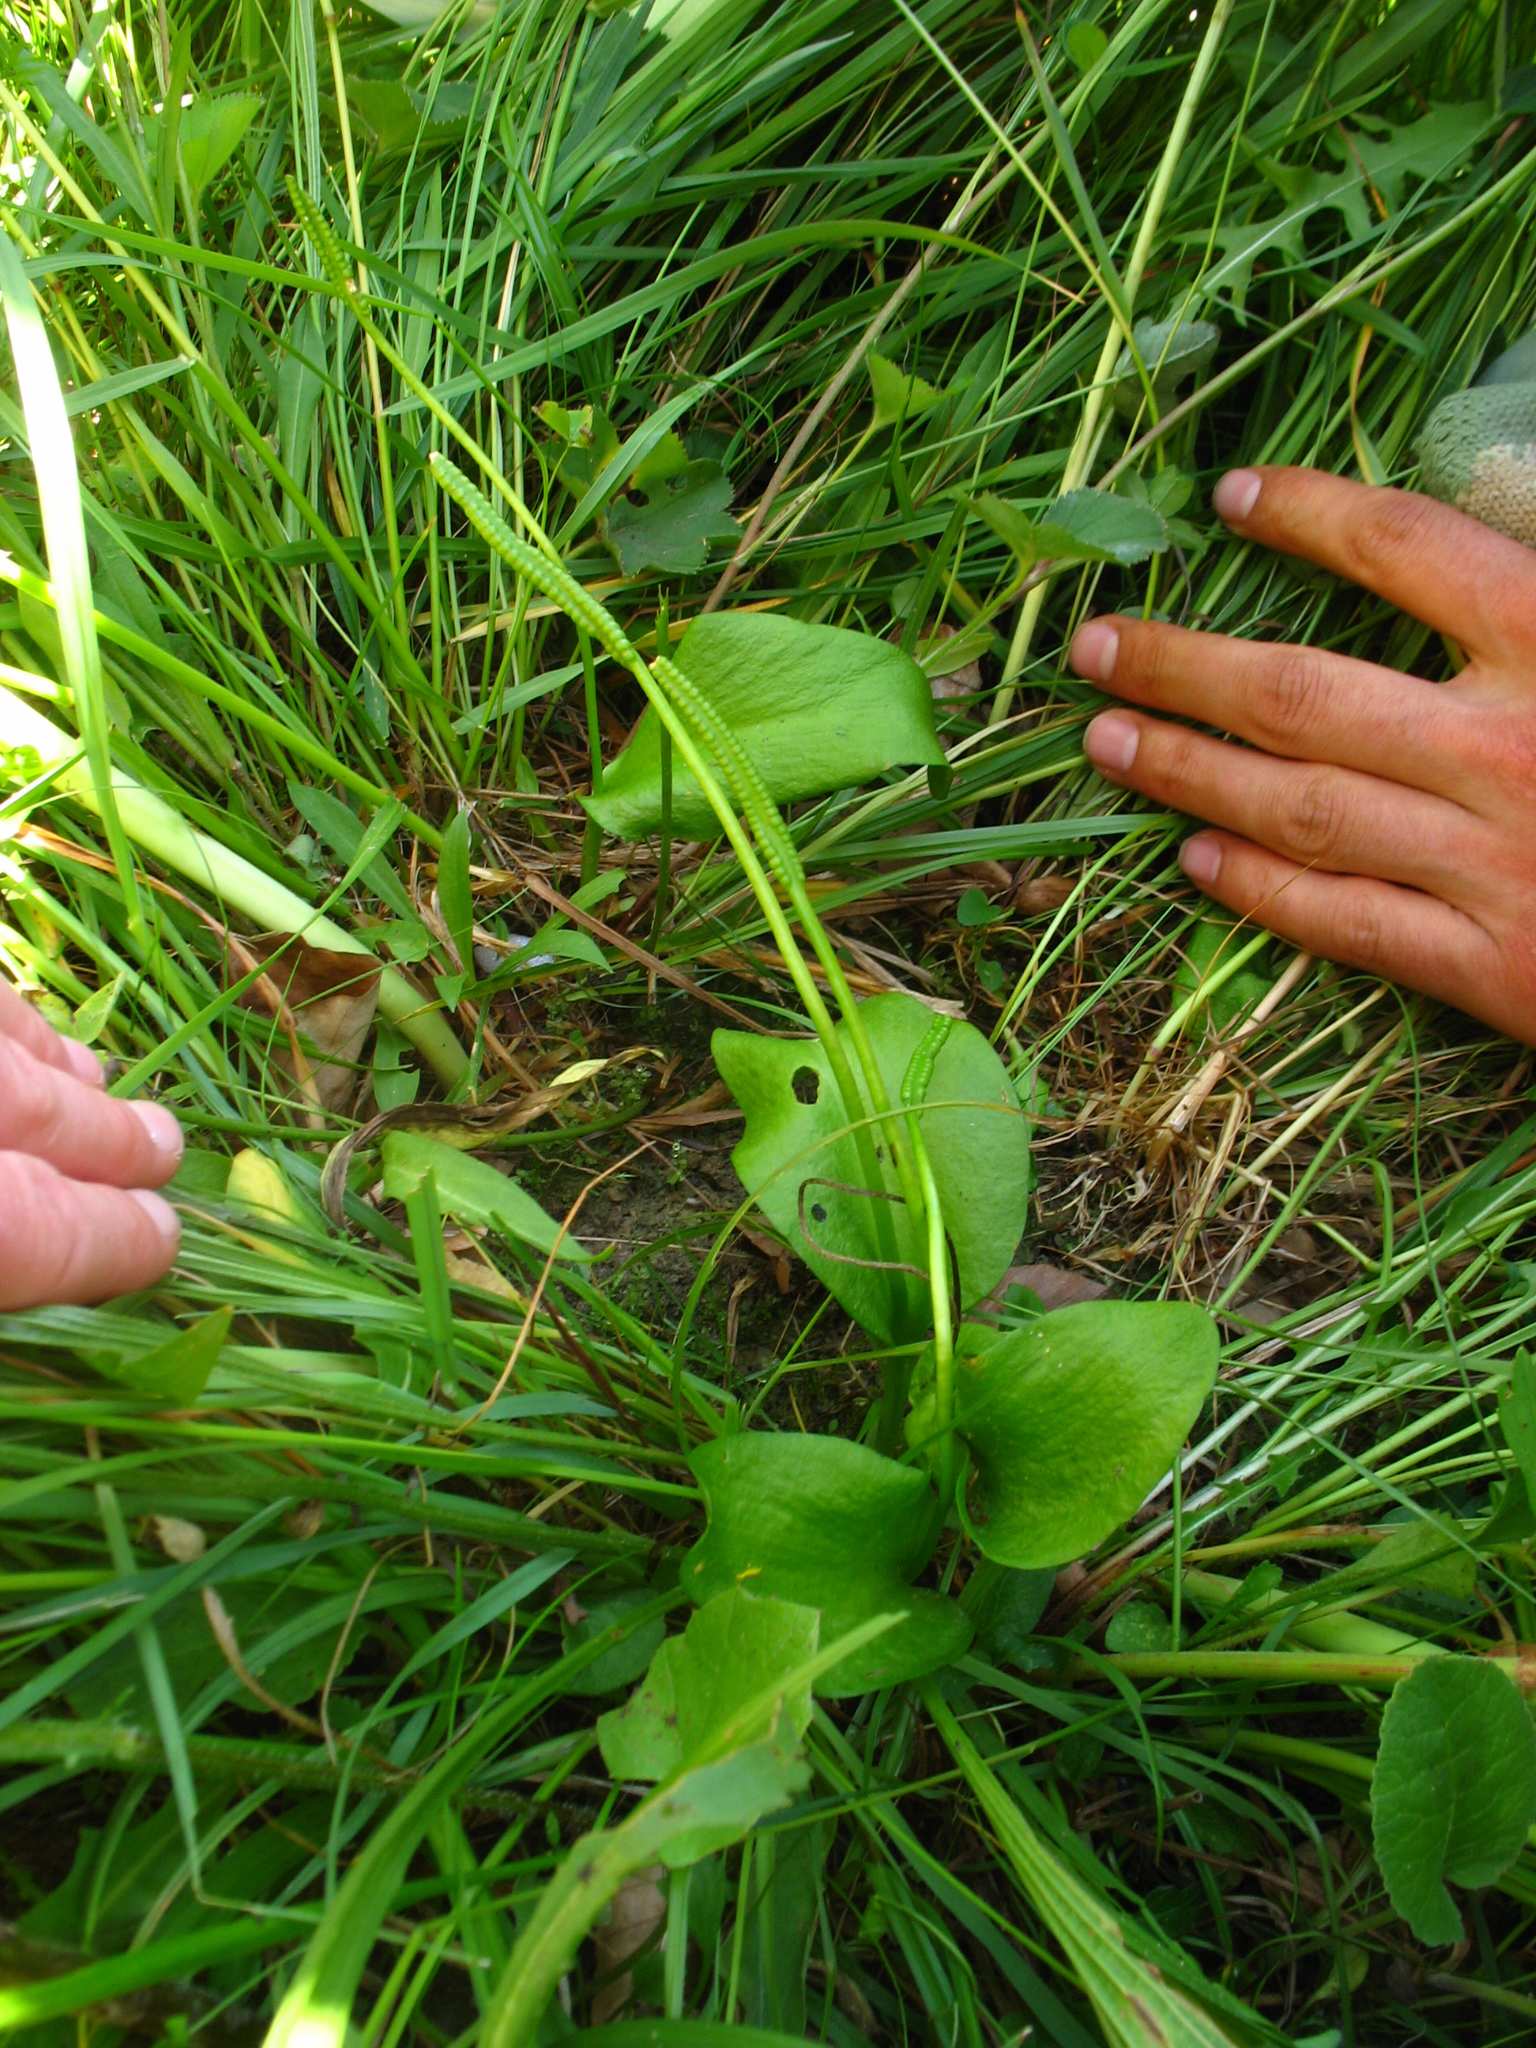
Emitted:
<point x="1200" y="859"/>
<point x="164" y="1131"/>
<point x="1094" y="650"/>
<point x="1237" y="494"/>
<point x="83" y="1063"/>
<point x="1111" y="743"/>
<point x="160" y="1213"/>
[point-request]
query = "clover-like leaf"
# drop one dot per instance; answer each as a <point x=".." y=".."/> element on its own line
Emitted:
<point x="813" y="707"/>
<point x="1072" y="1419"/>
<point x="799" y="1158"/>
<point x="828" y="1524"/>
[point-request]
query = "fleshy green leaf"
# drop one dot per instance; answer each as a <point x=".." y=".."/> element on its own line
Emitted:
<point x="1084" y="526"/>
<point x="208" y="132"/>
<point x="1454" y="1790"/>
<point x="1517" y="1412"/>
<point x="799" y="1159"/>
<point x="471" y="1191"/>
<point x="667" y="522"/>
<point x="814" y="707"/>
<point x="829" y="1524"/>
<point x="716" y="1685"/>
<point x="1138" y="1626"/>
<point x="1086" y="44"/>
<point x="175" y="1372"/>
<point x="623" y="1663"/>
<point x="1072" y="1419"/>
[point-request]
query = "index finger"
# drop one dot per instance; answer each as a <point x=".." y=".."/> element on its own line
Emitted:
<point x="1431" y="561"/>
<point x="24" y="1027"/>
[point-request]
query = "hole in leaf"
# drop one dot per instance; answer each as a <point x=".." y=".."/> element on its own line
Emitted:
<point x="818" y="1212"/>
<point x="805" y="1084"/>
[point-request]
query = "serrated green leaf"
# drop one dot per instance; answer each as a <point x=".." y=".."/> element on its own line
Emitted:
<point x="1517" y="1414"/>
<point x="470" y="1191"/>
<point x="814" y="708"/>
<point x="1454" y="1789"/>
<point x="897" y="394"/>
<point x="827" y="1523"/>
<point x="668" y="523"/>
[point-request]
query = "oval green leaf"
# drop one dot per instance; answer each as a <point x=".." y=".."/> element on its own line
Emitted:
<point x="1072" y="1420"/>
<point x="799" y="1159"/>
<point x="815" y="708"/>
<point x="832" y="1525"/>
<point x="1454" y="1789"/>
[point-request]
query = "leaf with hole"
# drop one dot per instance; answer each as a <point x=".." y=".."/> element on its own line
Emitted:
<point x="470" y="1191"/>
<point x="667" y="521"/>
<point x="814" y="708"/>
<point x="1071" y="1420"/>
<point x="1084" y="526"/>
<point x="799" y="1159"/>
<point x="1454" y="1789"/>
<point x="832" y="1525"/>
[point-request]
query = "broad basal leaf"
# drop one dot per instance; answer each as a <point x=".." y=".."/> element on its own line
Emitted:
<point x="814" y="707"/>
<point x="718" y="1685"/>
<point x="800" y="1161"/>
<point x="829" y="1524"/>
<point x="1072" y="1420"/>
<point x="1084" y="526"/>
<point x="1454" y="1789"/>
<point x="470" y="1191"/>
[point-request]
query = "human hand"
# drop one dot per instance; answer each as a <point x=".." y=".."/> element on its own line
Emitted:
<point x="1375" y="819"/>
<point x="78" y="1222"/>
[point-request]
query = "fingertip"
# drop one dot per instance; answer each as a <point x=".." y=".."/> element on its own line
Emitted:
<point x="1094" y="650"/>
<point x="83" y="1063"/>
<point x="1237" y="494"/>
<point x="164" y="1134"/>
<point x="1200" y="858"/>
<point x="1111" y="741"/>
<point x="160" y="1213"/>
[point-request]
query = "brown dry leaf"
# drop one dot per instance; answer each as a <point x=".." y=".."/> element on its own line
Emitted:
<point x="963" y="680"/>
<point x="1043" y="892"/>
<point x="305" y="1520"/>
<point x="182" y="1542"/>
<point x="639" y="1908"/>
<point x="222" y="1624"/>
<point x="324" y="1003"/>
<point x="1057" y="1286"/>
<point x="479" y="1272"/>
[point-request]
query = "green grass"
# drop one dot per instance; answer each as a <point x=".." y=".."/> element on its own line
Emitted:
<point x="415" y="1460"/>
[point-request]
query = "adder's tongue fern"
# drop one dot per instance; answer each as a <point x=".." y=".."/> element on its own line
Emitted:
<point x="690" y="718"/>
